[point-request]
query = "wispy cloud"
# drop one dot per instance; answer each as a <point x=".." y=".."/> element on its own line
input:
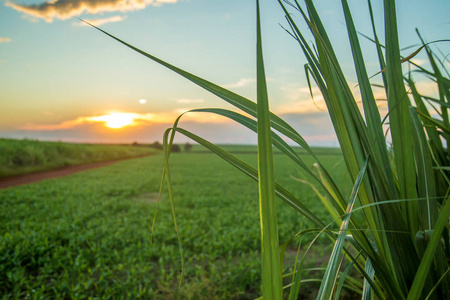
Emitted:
<point x="419" y="61"/>
<point x="64" y="9"/>
<point x="302" y="107"/>
<point x="99" y="22"/>
<point x="51" y="127"/>
<point x="4" y="40"/>
<point x="128" y="118"/>
<point x="299" y="100"/>
<point x="241" y="83"/>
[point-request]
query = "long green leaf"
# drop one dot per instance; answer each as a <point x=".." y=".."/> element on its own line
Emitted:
<point x="296" y="276"/>
<point x="401" y="133"/>
<point x="378" y="45"/>
<point x="372" y="115"/>
<point x="438" y="283"/>
<point x="167" y="146"/>
<point x="367" y="291"/>
<point x="444" y="92"/>
<point x="343" y="278"/>
<point x="422" y="273"/>
<point x="426" y="183"/>
<point x="329" y="279"/>
<point x="272" y="287"/>
<point x="399" y="119"/>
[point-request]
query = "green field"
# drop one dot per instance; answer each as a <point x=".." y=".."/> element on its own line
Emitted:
<point x="26" y="156"/>
<point x="89" y="234"/>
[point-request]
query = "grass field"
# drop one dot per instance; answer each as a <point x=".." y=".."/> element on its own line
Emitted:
<point x="27" y="156"/>
<point x="89" y="234"/>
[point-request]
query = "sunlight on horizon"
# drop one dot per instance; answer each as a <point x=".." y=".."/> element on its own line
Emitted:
<point x="117" y="120"/>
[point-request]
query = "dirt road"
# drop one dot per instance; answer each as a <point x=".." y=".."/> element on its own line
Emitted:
<point x="39" y="176"/>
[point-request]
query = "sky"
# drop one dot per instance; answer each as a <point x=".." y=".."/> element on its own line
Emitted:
<point x="63" y="81"/>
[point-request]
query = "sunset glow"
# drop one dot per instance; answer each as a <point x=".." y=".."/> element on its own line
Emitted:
<point x="116" y="120"/>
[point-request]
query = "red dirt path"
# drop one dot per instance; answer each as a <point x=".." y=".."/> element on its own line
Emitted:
<point x="39" y="176"/>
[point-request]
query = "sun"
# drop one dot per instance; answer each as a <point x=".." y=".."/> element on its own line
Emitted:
<point x="117" y="120"/>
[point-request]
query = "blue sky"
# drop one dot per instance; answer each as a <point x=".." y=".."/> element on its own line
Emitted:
<point x="58" y="78"/>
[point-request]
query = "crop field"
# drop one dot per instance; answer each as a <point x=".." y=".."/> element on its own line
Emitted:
<point x="26" y="156"/>
<point x="89" y="235"/>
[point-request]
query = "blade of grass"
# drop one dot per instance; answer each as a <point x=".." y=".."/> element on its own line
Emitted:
<point x="443" y="92"/>
<point x="329" y="279"/>
<point x="167" y="146"/>
<point x="432" y="133"/>
<point x="296" y="276"/>
<point x="367" y="290"/>
<point x="372" y="115"/>
<point x="415" y="293"/>
<point x="426" y="182"/>
<point x="401" y="133"/>
<point x="343" y="278"/>
<point x="399" y="114"/>
<point x="272" y="286"/>
<point x="378" y="45"/>
<point x="437" y="284"/>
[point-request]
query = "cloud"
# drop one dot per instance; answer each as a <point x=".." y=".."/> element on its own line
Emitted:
<point x="99" y="22"/>
<point x="51" y="127"/>
<point x="241" y="83"/>
<point x="132" y="118"/>
<point x="302" y="107"/>
<point x="299" y="100"/>
<point x="4" y="40"/>
<point x="65" y="9"/>
<point x="419" y="61"/>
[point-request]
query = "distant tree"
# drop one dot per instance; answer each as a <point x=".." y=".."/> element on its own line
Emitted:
<point x="157" y="145"/>
<point x="187" y="147"/>
<point x="176" y="148"/>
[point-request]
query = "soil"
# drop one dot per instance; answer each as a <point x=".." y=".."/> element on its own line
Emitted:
<point x="39" y="176"/>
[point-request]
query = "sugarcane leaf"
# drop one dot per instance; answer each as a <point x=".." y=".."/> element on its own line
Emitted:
<point x="329" y="279"/>
<point x="420" y="278"/>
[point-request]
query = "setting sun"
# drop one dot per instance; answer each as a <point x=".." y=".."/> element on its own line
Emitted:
<point x="116" y="120"/>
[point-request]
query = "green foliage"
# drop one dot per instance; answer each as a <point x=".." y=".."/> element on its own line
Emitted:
<point x="272" y="287"/>
<point x="176" y="148"/>
<point x="25" y="156"/>
<point x="88" y="235"/>
<point x="187" y="147"/>
<point x="157" y="145"/>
